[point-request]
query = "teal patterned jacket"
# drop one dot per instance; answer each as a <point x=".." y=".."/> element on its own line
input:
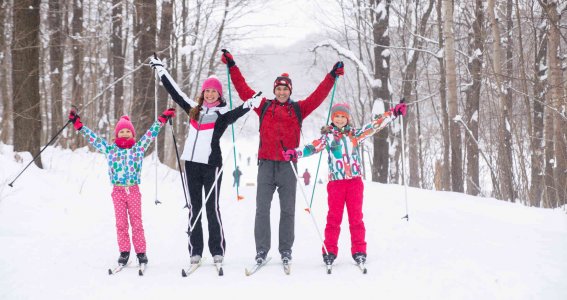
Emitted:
<point x="124" y="165"/>
<point x="343" y="146"/>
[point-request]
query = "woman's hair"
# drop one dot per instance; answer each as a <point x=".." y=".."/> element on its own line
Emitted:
<point x="196" y="111"/>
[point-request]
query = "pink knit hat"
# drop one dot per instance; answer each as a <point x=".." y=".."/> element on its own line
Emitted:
<point x="124" y="122"/>
<point x="341" y="109"/>
<point x="212" y="83"/>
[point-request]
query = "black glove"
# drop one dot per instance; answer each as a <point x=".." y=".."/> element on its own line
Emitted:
<point x="227" y="58"/>
<point x="338" y="69"/>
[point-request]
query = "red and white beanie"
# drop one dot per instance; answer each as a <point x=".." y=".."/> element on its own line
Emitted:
<point x="212" y="83"/>
<point x="341" y="109"/>
<point x="124" y="122"/>
<point x="283" y="80"/>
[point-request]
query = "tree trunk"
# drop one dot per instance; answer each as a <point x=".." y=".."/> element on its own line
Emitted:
<point x="408" y="86"/>
<point x="25" y="74"/>
<point x="446" y="166"/>
<point x="56" y="51"/>
<point x="143" y="97"/>
<point x="6" y="129"/>
<point x="537" y="138"/>
<point x="382" y="73"/>
<point x="452" y="97"/>
<point x="118" y="61"/>
<point x="166" y="28"/>
<point x="473" y="100"/>
<point x="557" y="125"/>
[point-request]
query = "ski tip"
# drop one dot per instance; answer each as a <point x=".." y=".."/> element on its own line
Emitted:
<point x="308" y="210"/>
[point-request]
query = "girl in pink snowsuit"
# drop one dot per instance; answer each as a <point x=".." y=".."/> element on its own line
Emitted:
<point x="345" y="187"/>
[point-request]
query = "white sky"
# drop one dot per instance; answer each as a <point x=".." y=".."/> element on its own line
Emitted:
<point x="284" y="22"/>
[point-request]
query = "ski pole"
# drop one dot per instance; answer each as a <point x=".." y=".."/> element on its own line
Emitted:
<point x="179" y="164"/>
<point x="307" y="202"/>
<point x="403" y="167"/>
<point x="11" y="184"/>
<point x="238" y="197"/>
<point x="156" y="156"/>
<point x="321" y="154"/>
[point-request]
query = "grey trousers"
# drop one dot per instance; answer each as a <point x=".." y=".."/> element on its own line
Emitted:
<point x="272" y="175"/>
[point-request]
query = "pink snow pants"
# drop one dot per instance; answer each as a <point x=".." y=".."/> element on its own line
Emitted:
<point x="128" y="204"/>
<point x="347" y="192"/>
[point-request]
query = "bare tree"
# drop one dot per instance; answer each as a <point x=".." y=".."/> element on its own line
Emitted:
<point x="446" y="166"/>
<point x="6" y="124"/>
<point x="409" y="87"/>
<point x="25" y="73"/>
<point x="56" y="51"/>
<point x="380" y="20"/>
<point x="145" y="24"/>
<point x="118" y="59"/>
<point x="555" y="128"/>
<point x="473" y="99"/>
<point x="164" y="48"/>
<point x="452" y="99"/>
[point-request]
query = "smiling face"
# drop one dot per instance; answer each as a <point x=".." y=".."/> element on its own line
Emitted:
<point x="125" y="133"/>
<point x="282" y="93"/>
<point x="340" y="120"/>
<point x="210" y="95"/>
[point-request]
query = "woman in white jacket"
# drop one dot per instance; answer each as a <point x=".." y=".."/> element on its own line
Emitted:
<point x="209" y="118"/>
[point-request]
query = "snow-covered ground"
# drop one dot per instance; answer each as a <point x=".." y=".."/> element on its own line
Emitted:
<point x="57" y="240"/>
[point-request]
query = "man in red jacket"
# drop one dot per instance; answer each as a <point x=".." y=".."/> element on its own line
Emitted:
<point x="280" y="125"/>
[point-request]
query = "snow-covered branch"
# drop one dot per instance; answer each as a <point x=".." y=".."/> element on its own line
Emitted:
<point x="374" y="83"/>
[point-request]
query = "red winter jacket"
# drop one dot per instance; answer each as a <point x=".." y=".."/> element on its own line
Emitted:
<point x="280" y="127"/>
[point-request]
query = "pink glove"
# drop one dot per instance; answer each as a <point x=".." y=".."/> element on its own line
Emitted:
<point x="399" y="109"/>
<point x="289" y="154"/>
<point x="75" y="119"/>
<point x="166" y="115"/>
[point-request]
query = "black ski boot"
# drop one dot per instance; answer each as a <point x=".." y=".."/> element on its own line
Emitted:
<point x="261" y="256"/>
<point x="142" y="258"/>
<point x="286" y="256"/>
<point x="359" y="258"/>
<point x="123" y="259"/>
<point x="329" y="258"/>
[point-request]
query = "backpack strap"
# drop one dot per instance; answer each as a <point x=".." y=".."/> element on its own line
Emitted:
<point x="263" y="112"/>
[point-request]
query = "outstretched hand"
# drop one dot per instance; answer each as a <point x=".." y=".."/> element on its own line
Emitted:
<point x="155" y="62"/>
<point x="253" y="102"/>
<point x="227" y="58"/>
<point x="338" y="69"/>
<point x="400" y="109"/>
<point x="166" y="115"/>
<point x="75" y="119"/>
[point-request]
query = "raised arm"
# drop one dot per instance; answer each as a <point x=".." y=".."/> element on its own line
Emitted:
<point x="92" y="138"/>
<point x="315" y="146"/>
<point x="313" y="101"/>
<point x="244" y="91"/>
<point x="171" y="86"/>
<point x="152" y="133"/>
<point x="379" y="120"/>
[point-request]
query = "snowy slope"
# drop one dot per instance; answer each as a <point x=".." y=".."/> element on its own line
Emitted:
<point x="57" y="240"/>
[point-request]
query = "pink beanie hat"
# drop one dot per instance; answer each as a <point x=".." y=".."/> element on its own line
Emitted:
<point x="124" y="122"/>
<point x="212" y="83"/>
